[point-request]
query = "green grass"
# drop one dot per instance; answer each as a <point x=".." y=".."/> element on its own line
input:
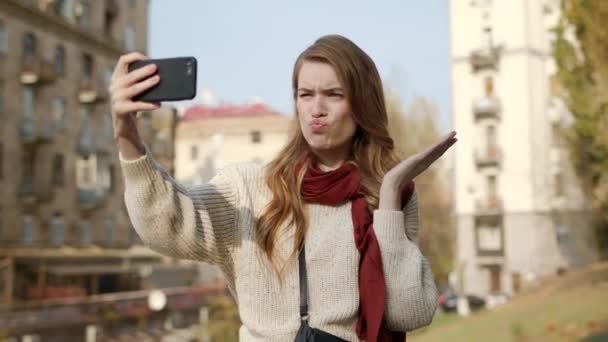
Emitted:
<point x="573" y="307"/>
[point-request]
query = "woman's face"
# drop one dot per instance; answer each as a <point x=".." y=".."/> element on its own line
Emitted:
<point x="325" y="115"/>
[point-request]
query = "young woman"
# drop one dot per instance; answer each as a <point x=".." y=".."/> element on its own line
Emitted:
<point x="322" y="240"/>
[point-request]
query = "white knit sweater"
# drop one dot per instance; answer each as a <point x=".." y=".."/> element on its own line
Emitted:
<point x="214" y="223"/>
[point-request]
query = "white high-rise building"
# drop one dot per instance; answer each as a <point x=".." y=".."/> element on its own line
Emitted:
<point x="520" y="213"/>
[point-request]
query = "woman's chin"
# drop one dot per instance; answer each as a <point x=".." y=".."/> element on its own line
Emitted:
<point x="319" y="145"/>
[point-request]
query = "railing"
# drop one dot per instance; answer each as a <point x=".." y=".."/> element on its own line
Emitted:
<point x="486" y="107"/>
<point x="485" y="58"/>
<point x="489" y="156"/>
<point x="92" y="90"/>
<point x="101" y="308"/>
<point x="37" y="70"/>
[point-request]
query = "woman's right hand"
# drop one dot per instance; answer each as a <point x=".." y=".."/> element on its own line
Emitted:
<point x="124" y="86"/>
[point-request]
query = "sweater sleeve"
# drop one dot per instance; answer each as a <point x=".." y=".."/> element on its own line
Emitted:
<point x="411" y="294"/>
<point x="196" y="223"/>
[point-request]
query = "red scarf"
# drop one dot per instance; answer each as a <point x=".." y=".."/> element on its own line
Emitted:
<point x="334" y="188"/>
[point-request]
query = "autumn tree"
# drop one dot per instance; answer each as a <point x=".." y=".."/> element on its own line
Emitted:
<point x="413" y="129"/>
<point x="581" y="55"/>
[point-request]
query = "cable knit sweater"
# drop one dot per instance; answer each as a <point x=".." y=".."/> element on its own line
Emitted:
<point x="215" y="223"/>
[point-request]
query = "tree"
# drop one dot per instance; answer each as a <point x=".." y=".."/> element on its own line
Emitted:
<point x="413" y="130"/>
<point x="581" y="55"/>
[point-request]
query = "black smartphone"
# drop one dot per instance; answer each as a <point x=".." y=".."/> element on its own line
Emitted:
<point x="177" y="79"/>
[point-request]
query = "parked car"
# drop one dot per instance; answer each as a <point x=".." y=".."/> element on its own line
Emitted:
<point x="448" y="300"/>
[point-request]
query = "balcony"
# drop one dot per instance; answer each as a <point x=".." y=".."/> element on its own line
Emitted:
<point x="26" y="193"/>
<point x="486" y="107"/>
<point x="492" y="205"/>
<point x="32" y="131"/>
<point x="35" y="70"/>
<point x="30" y="193"/>
<point x="92" y="90"/>
<point x="485" y="58"/>
<point x="491" y="156"/>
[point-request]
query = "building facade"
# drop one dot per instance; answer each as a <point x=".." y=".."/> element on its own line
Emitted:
<point x="520" y="212"/>
<point x="209" y="138"/>
<point x="65" y="236"/>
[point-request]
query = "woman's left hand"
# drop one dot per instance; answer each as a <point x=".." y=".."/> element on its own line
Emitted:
<point x="408" y="169"/>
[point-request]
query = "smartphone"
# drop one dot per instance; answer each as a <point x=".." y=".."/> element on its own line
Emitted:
<point x="177" y="79"/>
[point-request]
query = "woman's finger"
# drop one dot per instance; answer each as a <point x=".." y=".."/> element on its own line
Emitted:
<point x="122" y="66"/>
<point x="136" y="76"/>
<point x="128" y="93"/>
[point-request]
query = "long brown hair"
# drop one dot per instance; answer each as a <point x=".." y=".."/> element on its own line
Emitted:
<point x="372" y="146"/>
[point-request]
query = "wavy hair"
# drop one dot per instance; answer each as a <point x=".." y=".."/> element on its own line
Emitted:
<point x="372" y="147"/>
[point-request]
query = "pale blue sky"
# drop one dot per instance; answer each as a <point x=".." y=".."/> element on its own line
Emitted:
<point x="247" y="48"/>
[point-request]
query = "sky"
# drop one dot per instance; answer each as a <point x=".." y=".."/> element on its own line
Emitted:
<point x="246" y="49"/>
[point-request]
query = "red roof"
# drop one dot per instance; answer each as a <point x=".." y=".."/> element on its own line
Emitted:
<point x="197" y="112"/>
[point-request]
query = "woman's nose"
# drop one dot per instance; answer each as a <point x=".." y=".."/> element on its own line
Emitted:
<point x="318" y="107"/>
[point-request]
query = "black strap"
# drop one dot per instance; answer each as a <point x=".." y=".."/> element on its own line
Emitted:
<point x="303" y="285"/>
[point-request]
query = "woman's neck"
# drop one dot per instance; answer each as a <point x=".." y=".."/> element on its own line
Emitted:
<point x="330" y="161"/>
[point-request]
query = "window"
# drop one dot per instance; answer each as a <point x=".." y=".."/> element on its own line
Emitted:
<point x="59" y="112"/>
<point x="29" y="104"/>
<point x="86" y="172"/>
<point x="256" y="137"/>
<point x="28" y="230"/>
<point x="489" y="83"/>
<point x="85" y="233"/>
<point x="82" y="13"/>
<point x="59" y="62"/>
<point x="109" y="229"/>
<point x="3" y="38"/>
<point x="64" y="8"/>
<point x="58" y="170"/>
<point x="492" y="192"/>
<point x="129" y="38"/>
<point x="29" y="44"/>
<point x="193" y="152"/>
<point x="87" y="66"/>
<point x="57" y="230"/>
<point x="110" y="18"/>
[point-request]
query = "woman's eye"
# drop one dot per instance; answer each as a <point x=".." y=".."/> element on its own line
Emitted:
<point x="335" y="95"/>
<point x="304" y="95"/>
